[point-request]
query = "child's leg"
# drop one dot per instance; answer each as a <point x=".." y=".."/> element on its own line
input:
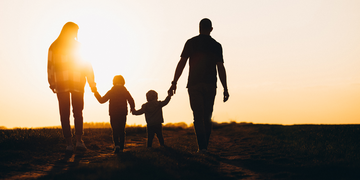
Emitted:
<point x="159" y="134"/>
<point x="114" y="121"/>
<point x="122" y="124"/>
<point x="151" y="133"/>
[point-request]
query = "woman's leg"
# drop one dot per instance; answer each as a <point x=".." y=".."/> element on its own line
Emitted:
<point x="64" y="109"/>
<point x="77" y="101"/>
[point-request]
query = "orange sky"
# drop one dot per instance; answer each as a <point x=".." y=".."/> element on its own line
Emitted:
<point x="288" y="62"/>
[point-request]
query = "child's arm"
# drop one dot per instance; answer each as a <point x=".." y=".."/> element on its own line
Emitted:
<point x="101" y="99"/>
<point x="166" y="101"/>
<point x="139" y="112"/>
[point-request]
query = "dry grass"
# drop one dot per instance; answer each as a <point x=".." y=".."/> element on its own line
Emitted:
<point x="237" y="151"/>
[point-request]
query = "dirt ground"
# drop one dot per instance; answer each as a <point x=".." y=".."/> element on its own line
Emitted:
<point x="101" y="151"/>
<point x="235" y="152"/>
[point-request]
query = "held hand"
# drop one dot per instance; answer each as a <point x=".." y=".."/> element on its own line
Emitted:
<point x="132" y="110"/>
<point x="170" y="93"/>
<point x="172" y="90"/>
<point x="94" y="89"/>
<point x="226" y="95"/>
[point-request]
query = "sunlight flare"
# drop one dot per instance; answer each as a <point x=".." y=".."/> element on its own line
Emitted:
<point x="106" y="45"/>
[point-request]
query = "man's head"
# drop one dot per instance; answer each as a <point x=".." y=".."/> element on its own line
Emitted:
<point x="205" y="26"/>
<point x="151" y="95"/>
<point x="119" y="80"/>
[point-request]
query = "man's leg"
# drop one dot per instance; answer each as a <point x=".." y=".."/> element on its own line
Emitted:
<point x="197" y="106"/>
<point x="209" y="97"/>
<point x="64" y="109"/>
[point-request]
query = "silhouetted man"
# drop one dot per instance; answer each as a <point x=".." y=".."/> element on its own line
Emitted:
<point x="205" y="56"/>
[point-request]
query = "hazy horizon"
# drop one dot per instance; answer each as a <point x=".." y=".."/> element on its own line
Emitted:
<point x="96" y="125"/>
<point x="287" y="62"/>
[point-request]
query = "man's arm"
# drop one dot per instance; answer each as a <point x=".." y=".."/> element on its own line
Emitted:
<point x="179" y="69"/>
<point x="222" y="76"/>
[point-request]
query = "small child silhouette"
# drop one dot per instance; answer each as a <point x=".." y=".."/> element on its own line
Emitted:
<point x="153" y="116"/>
<point x="119" y="96"/>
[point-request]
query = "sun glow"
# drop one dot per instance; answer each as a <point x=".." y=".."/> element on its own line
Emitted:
<point x="106" y="45"/>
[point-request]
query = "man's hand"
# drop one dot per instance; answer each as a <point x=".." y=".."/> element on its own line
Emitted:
<point x="226" y="95"/>
<point x="172" y="89"/>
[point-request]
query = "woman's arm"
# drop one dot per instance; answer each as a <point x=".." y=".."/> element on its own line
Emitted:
<point x="50" y="71"/>
<point x="131" y="102"/>
<point x="90" y="76"/>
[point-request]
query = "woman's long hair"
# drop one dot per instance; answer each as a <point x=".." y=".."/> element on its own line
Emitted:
<point x="67" y="40"/>
<point x="69" y="31"/>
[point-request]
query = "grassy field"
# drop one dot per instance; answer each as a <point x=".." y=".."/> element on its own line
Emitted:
<point x="236" y="151"/>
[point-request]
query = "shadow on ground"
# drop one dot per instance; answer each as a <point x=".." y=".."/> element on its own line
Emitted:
<point x="156" y="163"/>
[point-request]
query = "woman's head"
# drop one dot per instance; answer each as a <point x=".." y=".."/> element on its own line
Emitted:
<point x="69" y="31"/>
<point x="119" y="80"/>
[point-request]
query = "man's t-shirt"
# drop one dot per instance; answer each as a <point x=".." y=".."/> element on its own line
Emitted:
<point x="204" y="53"/>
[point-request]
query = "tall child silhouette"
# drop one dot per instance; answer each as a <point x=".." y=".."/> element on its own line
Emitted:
<point x="119" y="96"/>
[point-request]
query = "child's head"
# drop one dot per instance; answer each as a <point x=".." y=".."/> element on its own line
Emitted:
<point x="119" y="80"/>
<point x="151" y="95"/>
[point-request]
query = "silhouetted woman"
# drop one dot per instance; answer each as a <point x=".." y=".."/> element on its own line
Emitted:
<point x="67" y="75"/>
